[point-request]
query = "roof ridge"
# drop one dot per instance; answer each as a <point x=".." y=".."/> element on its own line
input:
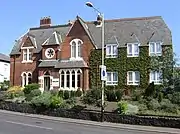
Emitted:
<point x="128" y="19"/>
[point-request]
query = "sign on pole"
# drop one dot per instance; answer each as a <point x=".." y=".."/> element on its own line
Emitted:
<point x="103" y="73"/>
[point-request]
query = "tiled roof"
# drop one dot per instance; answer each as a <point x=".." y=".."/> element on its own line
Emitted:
<point x="119" y="31"/>
<point x="63" y="63"/>
<point x="4" y="57"/>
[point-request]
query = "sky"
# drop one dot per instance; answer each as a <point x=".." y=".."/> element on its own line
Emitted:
<point x="16" y="17"/>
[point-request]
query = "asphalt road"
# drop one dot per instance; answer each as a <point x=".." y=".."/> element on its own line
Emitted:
<point x="16" y="124"/>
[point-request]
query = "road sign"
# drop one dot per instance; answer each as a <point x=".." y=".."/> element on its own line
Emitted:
<point x="103" y="73"/>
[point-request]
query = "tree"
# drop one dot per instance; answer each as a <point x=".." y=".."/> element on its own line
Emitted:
<point x="168" y="64"/>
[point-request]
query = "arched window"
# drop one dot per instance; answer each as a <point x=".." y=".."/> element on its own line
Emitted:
<point x="73" y="78"/>
<point x="62" y="79"/>
<point x="24" y="80"/>
<point x="76" y="48"/>
<point x="29" y="78"/>
<point x="68" y="79"/>
<point x="78" y="78"/>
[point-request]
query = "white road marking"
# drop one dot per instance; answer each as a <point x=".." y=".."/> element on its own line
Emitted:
<point x="29" y="125"/>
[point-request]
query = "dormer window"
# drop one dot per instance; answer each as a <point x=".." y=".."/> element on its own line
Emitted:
<point x="111" y="51"/>
<point x="155" y="49"/>
<point x="133" y="49"/>
<point x="76" y="49"/>
<point x="27" y="54"/>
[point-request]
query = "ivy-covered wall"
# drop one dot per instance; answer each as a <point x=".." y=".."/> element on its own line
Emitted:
<point x="122" y="64"/>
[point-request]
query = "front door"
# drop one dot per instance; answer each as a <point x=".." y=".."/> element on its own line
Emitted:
<point x="46" y="83"/>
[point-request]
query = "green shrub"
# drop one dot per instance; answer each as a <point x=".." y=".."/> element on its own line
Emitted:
<point x="92" y="96"/>
<point x="78" y="93"/>
<point x="54" y="92"/>
<point x="33" y="93"/>
<point x="153" y="105"/>
<point x="71" y="101"/>
<point x="73" y="94"/>
<point x="122" y="107"/>
<point x="66" y="94"/>
<point x="61" y="93"/>
<point x="30" y="87"/>
<point x="119" y="95"/>
<point x="167" y="106"/>
<point x="44" y="100"/>
<point x="55" y="102"/>
<point x="132" y="109"/>
<point x="150" y="90"/>
<point x="175" y="98"/>
<point x="142" y="108"/>
<point x="160" y="96"/>
<point x="111" y="95"/>
<point x="136" y="95"/>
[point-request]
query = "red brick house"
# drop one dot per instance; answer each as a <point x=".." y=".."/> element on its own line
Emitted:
<point x="57" y="57"/>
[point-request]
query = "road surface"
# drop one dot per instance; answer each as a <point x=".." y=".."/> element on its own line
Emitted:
<point x="18" y="124"/>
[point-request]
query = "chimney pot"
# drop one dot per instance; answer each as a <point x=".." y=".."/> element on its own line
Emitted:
<point x="45" y="22"/>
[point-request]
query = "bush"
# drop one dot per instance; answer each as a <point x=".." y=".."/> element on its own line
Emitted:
<point x="160" y="96"/>
<point x="33" y="93"/>
<point x="55" y="102"/>
<point x="43" y="101"/>
<point x="78" y="93"/>
<point x="54" y="92"/>
<point x="132" y="109"/>
<point x="111" y="95"/>
<point x="30" y="87"/>
<point x="61" y="93"/>
<point x="122" y="107"/>
<point x="73" y="94"/>
<point x="92" y="96"/>
<point x="136" y="95"/>
<point x="15" y="91"/>
<point x="167" y="106"/>
<point x="150" y="90"/>
<point x="175" y="98"/>
<point x="153" y="105"/>
<point x="66" y="94"/>
<point x="119" y="95"/>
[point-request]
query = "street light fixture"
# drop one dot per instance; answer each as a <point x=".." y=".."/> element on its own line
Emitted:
<point x="103" y="68"/>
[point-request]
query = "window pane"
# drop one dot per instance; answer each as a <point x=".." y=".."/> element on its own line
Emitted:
<point x="73" y="49"/>
<point x="137" y="76"/>
<point x="130" y="49"/>
<point x="153" y="76"/>
<point x="136" y="49"/>
<point x="30" y="55"/>
<point x="158" y="47"/>
<point x="108" y="50"/>
<point x="158" y="76"/>
<point x="152" y="48"/>
<point x="115" y="76"/>
<point x="115" y="50"/>
<point x="25" y="55"/>
<point x="130" y="76"/>
<point x="79" y="51"/>
<point x="108" y="76"/>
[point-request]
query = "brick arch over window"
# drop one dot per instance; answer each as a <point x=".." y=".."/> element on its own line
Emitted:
<point x="76" y="45"/>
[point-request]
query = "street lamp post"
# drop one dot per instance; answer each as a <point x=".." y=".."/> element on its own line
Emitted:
<point x="89" y="4"/>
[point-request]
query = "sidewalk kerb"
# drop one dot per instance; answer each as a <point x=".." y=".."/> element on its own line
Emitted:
<point x="100" y="124"/>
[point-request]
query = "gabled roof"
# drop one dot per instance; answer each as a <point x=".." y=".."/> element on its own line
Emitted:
<point x="54" y="39"/>
<point x="122" y="29"/>
<point x="4" y="57"/>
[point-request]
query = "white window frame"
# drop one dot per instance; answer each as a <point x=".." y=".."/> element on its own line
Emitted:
<point x="111" y="54"/>
<point x="26" y="77"/>
<point x="78" y="49"/>
<point x="70" y="79"/>
<point x="155" y="53"/>
<point x="28" y="51"/>
<point x="134" y="80"/>
<point x="133" y="54"/>
<point x="112" y="82"/>
<point x="157" y="80"/>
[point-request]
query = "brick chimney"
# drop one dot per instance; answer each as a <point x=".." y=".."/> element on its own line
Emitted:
<point x="45" y="22"/>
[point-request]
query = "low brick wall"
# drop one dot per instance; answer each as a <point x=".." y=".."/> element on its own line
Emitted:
<point x="95" y="115"/>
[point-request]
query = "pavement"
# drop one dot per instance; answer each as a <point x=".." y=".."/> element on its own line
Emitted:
<point x="21" y="123"/>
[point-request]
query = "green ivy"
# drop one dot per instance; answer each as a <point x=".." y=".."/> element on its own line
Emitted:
<point x="121" y="64"/>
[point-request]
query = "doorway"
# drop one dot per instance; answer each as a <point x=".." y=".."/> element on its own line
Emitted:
<point x="46" y="83"/>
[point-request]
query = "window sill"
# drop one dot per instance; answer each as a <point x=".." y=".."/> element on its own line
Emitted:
<point x="133" y="56"/>
<point x="30" y="61"/>
<point x="111" y="56"/>
<point x="111" y="83"/>
<point x="133" y="84"/>
<point x="156" y="83"/>
<point x="76" y="59"/>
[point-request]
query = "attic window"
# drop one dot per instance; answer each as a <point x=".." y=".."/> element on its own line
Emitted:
<point x="27" y="55"/>
<point x="111" y="51"/>
<point x="76" y="48"/>
<point x="155" y="48"/>
<point x="133" y="49"/>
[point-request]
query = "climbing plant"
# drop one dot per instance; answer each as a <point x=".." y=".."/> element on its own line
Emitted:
<point x="121" y="64"/>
